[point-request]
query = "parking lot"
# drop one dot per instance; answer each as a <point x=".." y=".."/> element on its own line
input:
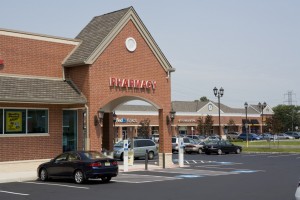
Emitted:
<point x="242" y="176"/>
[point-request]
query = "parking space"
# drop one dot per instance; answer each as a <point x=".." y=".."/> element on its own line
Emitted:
<point x="202" y="170"/>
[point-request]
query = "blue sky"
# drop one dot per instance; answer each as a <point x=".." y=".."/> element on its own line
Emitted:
<point x="250" y="48"/>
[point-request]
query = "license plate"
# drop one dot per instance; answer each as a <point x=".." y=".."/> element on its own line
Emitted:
<point x="107" y="164"/>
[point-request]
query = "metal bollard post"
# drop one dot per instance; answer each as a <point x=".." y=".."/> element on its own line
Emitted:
<point x="164" y="160"/>
<point x="146" y="160"/>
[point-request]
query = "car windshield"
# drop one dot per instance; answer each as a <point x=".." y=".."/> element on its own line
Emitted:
<point x="119" y="144"/>
<point x="93" y="155"/>
<point x="210" y="142"/>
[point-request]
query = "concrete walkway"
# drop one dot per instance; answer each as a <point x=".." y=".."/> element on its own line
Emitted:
<point x="18" y="171"/>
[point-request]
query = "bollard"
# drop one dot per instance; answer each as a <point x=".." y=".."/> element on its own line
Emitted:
<point x="146" y="160"/>
<point x="164" y="160"/>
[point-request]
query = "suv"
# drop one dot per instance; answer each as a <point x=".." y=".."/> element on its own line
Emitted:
<point x="232" y="135"/>
<point x="155" y="137"/>
<point x="296" y="135"/>
<point x="251" y="136"/>
<point x="139" y="148"/>
<point x="175" y="147"/>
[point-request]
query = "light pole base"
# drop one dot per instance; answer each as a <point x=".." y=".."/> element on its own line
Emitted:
<point x="165" y="160"/>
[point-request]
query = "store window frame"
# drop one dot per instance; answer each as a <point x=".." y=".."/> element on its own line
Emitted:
<point x="23" y="119"/>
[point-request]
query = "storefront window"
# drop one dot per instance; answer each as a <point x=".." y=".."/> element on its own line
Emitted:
<point x="37" y="121"/>
<point x="23" y="121"/>
<point x="15" y="121"/>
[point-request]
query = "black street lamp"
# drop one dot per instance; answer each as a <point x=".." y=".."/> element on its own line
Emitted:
<point x="262" y="107"/>
<point x="246" y="123"/>
<point x="219" y="93"/>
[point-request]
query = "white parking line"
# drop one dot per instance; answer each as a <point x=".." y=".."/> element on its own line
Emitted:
<point x="139" y="178"/>
<point x="282" y="155"/>
<point x="22" y="194"/>
<point x="70" y="186"/>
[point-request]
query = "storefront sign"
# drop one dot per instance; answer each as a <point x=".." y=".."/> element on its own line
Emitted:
<point x="132" y="83"/>
<point x="187" y="121"/>
<point x="13" y="121"/>
<point x="126" y="120"/>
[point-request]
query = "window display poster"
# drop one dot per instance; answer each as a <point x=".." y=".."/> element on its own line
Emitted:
<point x="13" y="121"/>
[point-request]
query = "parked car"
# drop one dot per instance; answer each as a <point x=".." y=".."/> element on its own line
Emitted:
<point x="283" y="136"/>
<point x="220" y="147"/>
<point x="296" y="135"/>
<point x="139" y="149"/>
<point x="232" y="135"/>
<point x="212" y="138"/>
<point x="80" y="166"/>
<point x="155" y="137"/>
<point x="251" y="136"/>
<point x="194" y="147"/>
<point x="194" y="137"/>
<point x="267" y="136"/>
<point x="175" y="145"/>
<point x="297" y="194"/>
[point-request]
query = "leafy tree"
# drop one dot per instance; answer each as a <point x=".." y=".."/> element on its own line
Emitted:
<point x="200" y="126"/>
<point x="208" y="124"/>
<point x="231" y="125"/>
<point x="204" y="99"/>
<point x="288" y="117"/>
<point x="143" y="129"/>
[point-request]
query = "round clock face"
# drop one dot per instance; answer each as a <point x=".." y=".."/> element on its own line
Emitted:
<point x="130" y="44"/>
<point x="210" y="107"/>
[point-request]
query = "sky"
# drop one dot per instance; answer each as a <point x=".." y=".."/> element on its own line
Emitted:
<point x="251" y="48"/>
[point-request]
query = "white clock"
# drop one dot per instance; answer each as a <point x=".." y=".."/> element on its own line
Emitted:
<point x="130" y="44"/>
<point x="210" y="107"/>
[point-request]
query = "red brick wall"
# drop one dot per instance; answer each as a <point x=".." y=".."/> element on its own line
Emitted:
<point x="32" y="57"/>
<point x="117" y="61"/>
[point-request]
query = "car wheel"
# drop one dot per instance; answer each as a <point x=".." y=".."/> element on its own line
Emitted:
<point x="199" y="151"/>
<point x="150" y="155"/>
<point x="79" y="177"/>
<point x="43" y="174"/>
<point x="219" y="152"/>
<point x="122" y="156"/>
<point x="238" y="151"/>
<point x="106" y="179"/>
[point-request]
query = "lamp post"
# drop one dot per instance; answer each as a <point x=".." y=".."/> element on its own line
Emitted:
<point x="219" y="93"/>
<point x="262" y="107"/>
<point x="114" y="120"/>
<point x="246" y="123"/>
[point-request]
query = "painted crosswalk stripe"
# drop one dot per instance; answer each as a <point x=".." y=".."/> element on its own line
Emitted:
<point x="61" y="185"/>
<point x="16" y="193"/>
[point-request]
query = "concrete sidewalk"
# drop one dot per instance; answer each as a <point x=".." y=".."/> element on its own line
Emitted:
<point x="18" y="171"/>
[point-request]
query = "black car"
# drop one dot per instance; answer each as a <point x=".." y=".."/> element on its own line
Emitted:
<point x="220" y="147"/>
<point x="80" y="166"/>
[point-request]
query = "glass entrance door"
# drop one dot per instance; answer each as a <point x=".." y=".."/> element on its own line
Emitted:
<point x="69" y="130"/>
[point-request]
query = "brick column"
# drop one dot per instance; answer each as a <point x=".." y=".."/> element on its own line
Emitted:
<point x="108" y="132"/>
<point x="165" y="140"/>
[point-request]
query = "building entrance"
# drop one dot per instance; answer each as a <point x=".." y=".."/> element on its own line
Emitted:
<point x="69" y="130"/>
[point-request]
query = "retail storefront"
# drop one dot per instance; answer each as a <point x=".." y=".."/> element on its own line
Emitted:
<point x="60" y="94"/>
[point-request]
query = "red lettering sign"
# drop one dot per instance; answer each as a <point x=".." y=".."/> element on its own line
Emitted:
<point x="131" y="83"/>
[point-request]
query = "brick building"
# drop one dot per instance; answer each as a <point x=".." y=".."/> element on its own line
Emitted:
<point x="60" y="94"/>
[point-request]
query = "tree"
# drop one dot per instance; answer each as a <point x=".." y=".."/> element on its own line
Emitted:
<point x="143" y="129"/>
<point x="231" y="125"/>
<point x="204" y="99"/>
<point x="208" y="124"/>
<point x="288" y="117"/>
<point x="200" y="126"/>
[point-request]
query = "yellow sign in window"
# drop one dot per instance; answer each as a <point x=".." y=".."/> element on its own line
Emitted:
<point x="13" y="121"/>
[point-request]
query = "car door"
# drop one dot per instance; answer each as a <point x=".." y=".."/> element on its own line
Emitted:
<point x="138" y="148"/>
<point x="57" y="166"/>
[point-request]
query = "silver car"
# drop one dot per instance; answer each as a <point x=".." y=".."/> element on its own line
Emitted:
<point x="139" y="148"/>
